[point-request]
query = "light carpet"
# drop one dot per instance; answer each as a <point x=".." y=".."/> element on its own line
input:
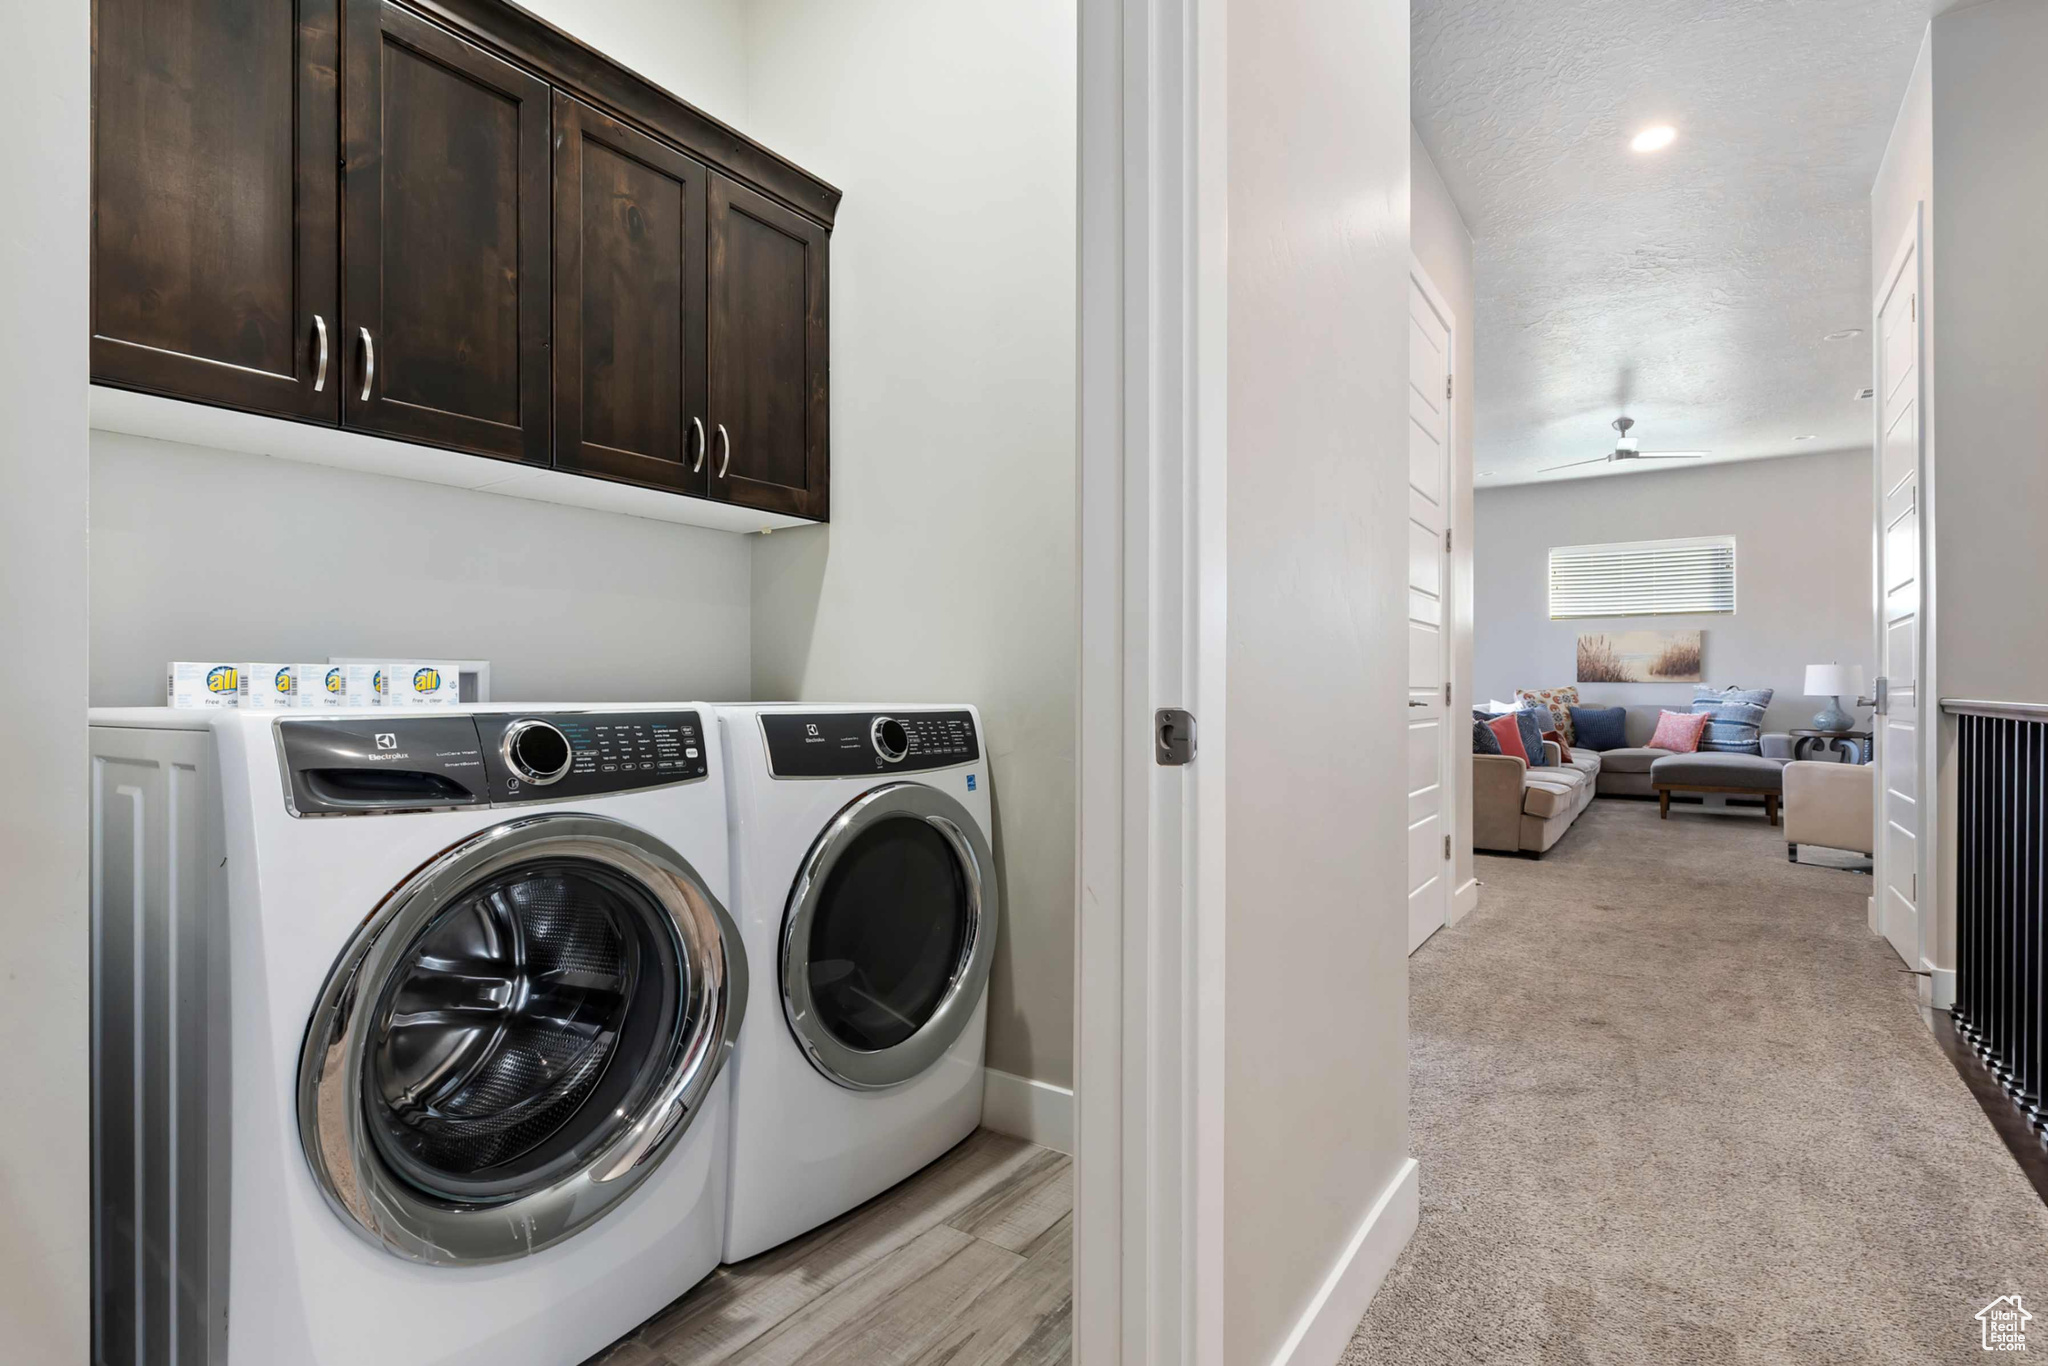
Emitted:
<point x="1674" y="1103"/>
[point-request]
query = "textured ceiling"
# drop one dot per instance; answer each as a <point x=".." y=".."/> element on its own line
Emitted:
<point x="1689" y="288"/>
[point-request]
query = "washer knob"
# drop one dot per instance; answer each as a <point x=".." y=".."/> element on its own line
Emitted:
<point x="890" y="739"/>
<point x="537" y="752"/>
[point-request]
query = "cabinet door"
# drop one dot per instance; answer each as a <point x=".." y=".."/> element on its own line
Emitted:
<point x="215" y="245"/>
<point x="629" y="304"/>
<point x="766" y="348"/>
<point x="446" y="203"/>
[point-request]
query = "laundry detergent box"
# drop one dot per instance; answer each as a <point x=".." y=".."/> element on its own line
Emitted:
<point x="321" y="685"/>
<point x="268" y="687"/>
<point x="423" y="683"/>
<point x="360" y="685"/>
<point x="203" y="684"/>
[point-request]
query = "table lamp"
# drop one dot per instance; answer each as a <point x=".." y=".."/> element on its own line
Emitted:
<point x="1832" y="681"/>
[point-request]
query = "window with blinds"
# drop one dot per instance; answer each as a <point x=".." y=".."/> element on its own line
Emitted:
<point x="1643" y="578"/>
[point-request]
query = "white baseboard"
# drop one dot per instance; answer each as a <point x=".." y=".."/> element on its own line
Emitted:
<point x="1034" y="1110"/>
<point x="1465" y="900"/>
<point x="1941" y="982"/>
<point x="1325" y="1328"/>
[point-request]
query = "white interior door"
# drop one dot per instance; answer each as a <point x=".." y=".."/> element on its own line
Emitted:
<point x="1429" y="407"/>
<point x="1901" y="811"/>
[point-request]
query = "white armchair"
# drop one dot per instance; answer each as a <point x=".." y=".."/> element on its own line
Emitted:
<point x="1829" y="804"/>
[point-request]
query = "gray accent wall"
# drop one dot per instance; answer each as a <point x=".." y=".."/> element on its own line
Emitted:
<point x="1803" y="529"/>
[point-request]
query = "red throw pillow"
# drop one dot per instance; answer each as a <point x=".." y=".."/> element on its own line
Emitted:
<point x="1564" y="751"/>
<point x="1678" y="731"/>
<point x="1509" y="732"/>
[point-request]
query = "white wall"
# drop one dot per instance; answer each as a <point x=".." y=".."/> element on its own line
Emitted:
<point x="44" y="1069"/>
<point x="200" y="554"/>
<point x="1316" y="1066"/>
<point x="1802" y="577"/>
<point x="1443" y="245"/>
<point x="948" y="570"/>
<point x="694" y="49"/>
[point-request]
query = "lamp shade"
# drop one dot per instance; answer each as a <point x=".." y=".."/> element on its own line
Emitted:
<point x="1834" y="680"/>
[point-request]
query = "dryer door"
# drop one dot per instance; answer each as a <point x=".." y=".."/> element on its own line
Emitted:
<point x="516" y="1038"/>
<point x="888" y="935"/>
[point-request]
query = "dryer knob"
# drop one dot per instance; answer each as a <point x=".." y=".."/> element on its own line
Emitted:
<point x="890" y="739"/>
<point x="537" y="752"/>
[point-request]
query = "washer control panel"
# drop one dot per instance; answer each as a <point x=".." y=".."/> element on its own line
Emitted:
<point x="431" y="763"/>
<point x="560" y="755"/>
<point x="853" y="744"/>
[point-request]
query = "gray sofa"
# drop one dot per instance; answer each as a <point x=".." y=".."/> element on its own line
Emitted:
<point x="1521" y="810"/>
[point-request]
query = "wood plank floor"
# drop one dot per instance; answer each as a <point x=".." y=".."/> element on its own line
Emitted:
<point x="968" y="1263"/>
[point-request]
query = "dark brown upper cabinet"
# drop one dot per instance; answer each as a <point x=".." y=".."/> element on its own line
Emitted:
<point x="767" y="350"/>
<point x="215" y="246"/>
<point x="446" y="239"/>
<point x="629" y="303"/>
<point x="485" y="237"/>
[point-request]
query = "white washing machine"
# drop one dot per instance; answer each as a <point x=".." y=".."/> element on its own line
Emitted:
<point x="865" y="891"/>
<point x="467" y="1102"/>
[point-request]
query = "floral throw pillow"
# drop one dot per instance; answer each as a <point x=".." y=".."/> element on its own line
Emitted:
<point x="1559" y="701"/>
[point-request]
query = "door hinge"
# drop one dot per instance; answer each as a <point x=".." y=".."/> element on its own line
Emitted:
<point x="1913" y="307"/>
<point x="1447" y="540"/>
<point x="1447" y="694"/>
<point x="1447" y="387"/>
<point x="1447" y="846"/>
<point x="1173" y="736"/>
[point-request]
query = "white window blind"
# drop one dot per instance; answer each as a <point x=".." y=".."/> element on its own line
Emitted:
<point x="1643" y="578"/>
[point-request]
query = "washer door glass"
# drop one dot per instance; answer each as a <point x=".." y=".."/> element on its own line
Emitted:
<point x="520" y="1027"/>
<point x="516" y="1038"/>
<point x="888" y="936"/>
<point x="889" y="933"/>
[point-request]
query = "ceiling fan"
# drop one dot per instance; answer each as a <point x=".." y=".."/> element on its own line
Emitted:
<point x="1625" y="449"/>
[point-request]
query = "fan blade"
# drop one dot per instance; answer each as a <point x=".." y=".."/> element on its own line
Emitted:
<point x="1597" y="460"/>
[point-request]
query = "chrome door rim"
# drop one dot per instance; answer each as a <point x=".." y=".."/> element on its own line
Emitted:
<point x="399" y="1217"/>
<point x="878" y="1069"/>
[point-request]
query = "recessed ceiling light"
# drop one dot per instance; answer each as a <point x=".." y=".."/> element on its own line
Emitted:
<point x="1655" y="139"/>
<point x="1806" y="438"/>
<point x="1844" y="334"/>
<point x="1866" y="393"/>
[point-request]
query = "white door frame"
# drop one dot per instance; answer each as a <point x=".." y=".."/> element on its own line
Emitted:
<point x="1148" y="1276"/>
<point x="1927" y="900"/>
<point x="1451" y="793"/>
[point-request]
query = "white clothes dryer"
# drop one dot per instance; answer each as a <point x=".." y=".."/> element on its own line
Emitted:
<point x="865" y="891"/>
<point x="480" y="989"/>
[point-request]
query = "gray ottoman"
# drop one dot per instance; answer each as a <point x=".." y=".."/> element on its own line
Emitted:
<point x="1744" y="775"/>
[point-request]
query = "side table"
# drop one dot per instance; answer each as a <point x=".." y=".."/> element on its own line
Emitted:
<point x="1852" y="745"/>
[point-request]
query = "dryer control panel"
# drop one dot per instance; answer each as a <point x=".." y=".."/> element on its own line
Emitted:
<point x="430" y="763"/>
<point x="853" y="744"/>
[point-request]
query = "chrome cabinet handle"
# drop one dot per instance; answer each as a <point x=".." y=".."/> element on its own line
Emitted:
<point x="320" y="365"/>
<point x="369" y="361"/>
<point x="724" y="450"/>
<point x="697" y="425"/>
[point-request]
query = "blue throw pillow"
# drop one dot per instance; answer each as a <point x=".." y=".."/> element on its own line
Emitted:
<point x="1532" y="722"/>
<point x="1484" y="741"/>
<point x="1735" y="718"/>
<point x="1600" y="728"/>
